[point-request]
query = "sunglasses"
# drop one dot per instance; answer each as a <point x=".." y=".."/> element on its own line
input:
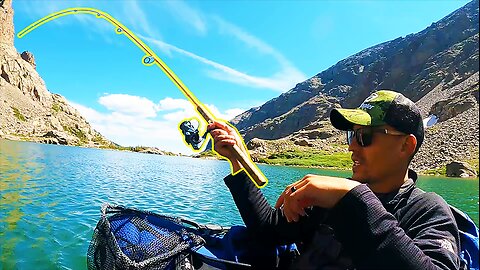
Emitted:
<point x="364" y="136"/>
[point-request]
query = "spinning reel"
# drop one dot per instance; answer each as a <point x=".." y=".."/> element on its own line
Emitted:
<point x="191" y="134"/>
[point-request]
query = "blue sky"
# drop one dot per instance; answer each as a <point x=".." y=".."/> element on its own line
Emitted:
<point x="233" y="55"/>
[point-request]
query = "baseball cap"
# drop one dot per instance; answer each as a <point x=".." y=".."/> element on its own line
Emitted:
<point x="383" y="107"/>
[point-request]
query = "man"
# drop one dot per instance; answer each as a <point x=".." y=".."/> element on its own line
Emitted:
<point x="372" y="219"/>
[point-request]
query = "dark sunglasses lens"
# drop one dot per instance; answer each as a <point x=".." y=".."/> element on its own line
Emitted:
<point x="364" y="137"/>
<point x="350" y="135"/>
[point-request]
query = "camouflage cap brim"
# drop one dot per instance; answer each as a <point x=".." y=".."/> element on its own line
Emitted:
<point x="344" y="119"/>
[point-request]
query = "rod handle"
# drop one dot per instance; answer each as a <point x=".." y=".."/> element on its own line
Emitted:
<point x="250" y="168"/>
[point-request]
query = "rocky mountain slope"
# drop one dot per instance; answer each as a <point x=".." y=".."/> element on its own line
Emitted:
<point x="28" y="111"/>
<point x="437" y="68"/>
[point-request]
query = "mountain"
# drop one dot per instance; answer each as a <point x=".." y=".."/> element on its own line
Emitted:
<point x="437" y="68"/>
<point x="28" y="111"/>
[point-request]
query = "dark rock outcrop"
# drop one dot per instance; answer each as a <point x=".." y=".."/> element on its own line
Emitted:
<point x="437" y="68"/>
<point x="28" y="56"/>
<point x="460" y="169"/>
<point x="57" y="137"/>
<point x="456" y="135"/>
<point x="444" y="53"/>
<point x="295" y="119"/>
<point x="28" y="111"/>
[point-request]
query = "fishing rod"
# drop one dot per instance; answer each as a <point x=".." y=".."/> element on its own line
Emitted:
<point x="151" y="59"/>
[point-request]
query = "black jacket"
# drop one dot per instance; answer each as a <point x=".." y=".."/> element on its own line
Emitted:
<point x="383" y="231"/>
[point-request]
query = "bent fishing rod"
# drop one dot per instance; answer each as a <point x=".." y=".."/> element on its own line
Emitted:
<point x="150" y="59"/>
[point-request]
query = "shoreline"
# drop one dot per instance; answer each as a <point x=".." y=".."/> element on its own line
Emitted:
<point x="214" y="157"/>
<point x="419" y="173"/>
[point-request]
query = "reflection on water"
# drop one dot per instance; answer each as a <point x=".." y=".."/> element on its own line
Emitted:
<point x="51" y="196"/>
<point x="461" y="193"/>
<point x="17" y="168"/>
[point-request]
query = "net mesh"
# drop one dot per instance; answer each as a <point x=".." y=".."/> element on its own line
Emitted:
<point x="133" y="239"/>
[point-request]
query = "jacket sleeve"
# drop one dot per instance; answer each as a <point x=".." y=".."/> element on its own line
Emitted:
<point x="267" y="223"/>
<point x="375" y="239"/>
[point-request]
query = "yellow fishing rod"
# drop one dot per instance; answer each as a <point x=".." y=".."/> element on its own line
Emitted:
<point x="150" y="59"/>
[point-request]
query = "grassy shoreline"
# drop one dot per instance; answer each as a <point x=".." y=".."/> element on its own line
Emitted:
<point x="317" y="159"/>
<point x="332" y="161"/>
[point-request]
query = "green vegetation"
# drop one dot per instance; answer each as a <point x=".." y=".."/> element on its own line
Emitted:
<point x="114" y="146"/>
<point x="77" y="133"/>
<point x="443" y="170"/>
<point x="208" y="153"/>
<point x="474" y="163"/>
<point x="56" y="107"/>
<point x="18" y="114"/>
<point x="117" y="147"/>
<point x="437" y="171"/>
<point x="21" y="137"/>
<point x="310" y="158"/>
<point x="98" y="139"/>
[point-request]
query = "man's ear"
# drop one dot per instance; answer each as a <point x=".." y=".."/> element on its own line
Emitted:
<point x="409" y="145"/>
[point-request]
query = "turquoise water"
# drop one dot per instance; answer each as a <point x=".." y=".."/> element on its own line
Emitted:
<point x="51" y="196"/>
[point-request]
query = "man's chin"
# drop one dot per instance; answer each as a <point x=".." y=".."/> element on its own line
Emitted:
<point x="358" y="177"/>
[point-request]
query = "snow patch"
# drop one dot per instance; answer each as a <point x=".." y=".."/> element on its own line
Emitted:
<point x="430" y="121"/>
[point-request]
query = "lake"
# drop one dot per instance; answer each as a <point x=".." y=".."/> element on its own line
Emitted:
<point x="51" y="196"/>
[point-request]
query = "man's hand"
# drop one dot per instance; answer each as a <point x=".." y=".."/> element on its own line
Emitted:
<point x="313" y="190"/>
<point x="224" y="138"/>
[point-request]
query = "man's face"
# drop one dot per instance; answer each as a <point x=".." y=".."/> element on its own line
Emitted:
<point x="379" y="160"/>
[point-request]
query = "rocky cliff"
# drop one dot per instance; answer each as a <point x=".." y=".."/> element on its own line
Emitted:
<point x="437" y="68"/>
<point x="28" y="111"/>
<point x="445" y="52"/>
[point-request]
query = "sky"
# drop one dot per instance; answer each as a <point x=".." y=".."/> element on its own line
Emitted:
<point x="232" y="55"/>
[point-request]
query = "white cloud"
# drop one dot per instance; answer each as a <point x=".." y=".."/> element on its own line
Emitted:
<point x="128" y="12"/>
<point x="248" y="39"/>
<point x="136" y="17"/>
<point x="123" y="126"/>
<point x="182" y="11"/>
<point x="130" y="130"/>
<point x="128" y="104"/>
<point x="173" y="103"/>
<point x="227" y="115"/>
<point x="131" y="12"/>
<point x="280" y="81"/>
<point x="231" y="113"/>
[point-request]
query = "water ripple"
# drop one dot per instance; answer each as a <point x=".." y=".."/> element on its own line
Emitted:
<point x="51" y="196"/>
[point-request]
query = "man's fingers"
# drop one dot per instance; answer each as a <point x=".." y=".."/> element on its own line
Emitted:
<point x="290" y="213"/>
<point x="296" y="206"/>
<point x="221" y="137"/>
<point x="218" y="125"/>
<point x="217" y="132"/>
<point x="279" y="201"/>
<point x="287" y="213"/>
<point x="302" y="198"/>
<point x="225" y="143"/>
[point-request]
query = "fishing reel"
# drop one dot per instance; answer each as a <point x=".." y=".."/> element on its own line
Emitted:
<point x="191" y="134"/>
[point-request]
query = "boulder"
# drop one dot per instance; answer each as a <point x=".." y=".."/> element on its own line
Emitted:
<point x="28" y="56"/>
<point x="316" y="134"/>
<point x="460" y="169"/>
<point x="303" y="142"/>
<point x="59" y="137"/>
<point x="49" y="141"/>
<point x="255" y="143"/>
<point x="447" y="109"/>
